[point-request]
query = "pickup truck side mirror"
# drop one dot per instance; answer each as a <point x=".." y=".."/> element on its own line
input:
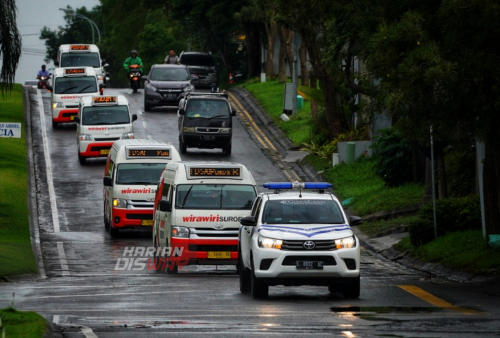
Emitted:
<point x="182" y="111"/>
<point x="355" y="220"/>
<point x="165" y="206"/>
<point x="107" y="181"/>
<point x="248" y="221"/>
<point x="233" y="112"/>
<point x="77" y="119"/>
<point x="134" y="117"/>
<point x="56" y="63"/>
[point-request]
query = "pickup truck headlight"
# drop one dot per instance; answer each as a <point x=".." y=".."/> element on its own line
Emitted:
<point x="127" y="136"/>
<point x="189" y="130"/>
<point x="86" y="137"/>
<point x="345" y="243"/>
<point x="120" y="203"/>
<point x="269" y="243"/>
<point x="150" y="87"/>
<point x="225" y="130"/>
<point x="181" y="232"/>
<point x="58" y="105"/>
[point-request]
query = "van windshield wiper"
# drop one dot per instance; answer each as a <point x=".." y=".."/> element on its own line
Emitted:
<point x="64" y="91"/>
<point x="85" y="88"/>
<point x="185" y="197"/>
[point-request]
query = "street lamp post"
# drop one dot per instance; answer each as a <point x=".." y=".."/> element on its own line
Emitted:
<point x="91" y="23"/>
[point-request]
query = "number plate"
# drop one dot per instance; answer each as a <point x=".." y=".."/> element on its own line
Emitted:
<point x="104" y="151"/>
<point x="147" y="222"/>
<point x="72" y="117"/>
<point x="207" y="138"/>
<point x="169" y="96"/>
<point x="309" y="265"/>
<point x="219" y="254"/>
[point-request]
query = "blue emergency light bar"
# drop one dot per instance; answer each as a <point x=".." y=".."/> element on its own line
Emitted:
<point x="302" y="185"/>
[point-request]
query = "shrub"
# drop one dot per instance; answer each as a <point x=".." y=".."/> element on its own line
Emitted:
<point x="454" y="214"/>
<point x="421" y="232"/>
<point x="392" y="154"/>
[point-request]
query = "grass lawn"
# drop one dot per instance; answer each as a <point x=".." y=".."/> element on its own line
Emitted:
<point x="16" y="256"/>
<point x="22" y="324"/>
<point x="368" y="192"/>
<point x="465" y="251"/>
<point x="377" y="227"/>
<point x="270" y="96"/>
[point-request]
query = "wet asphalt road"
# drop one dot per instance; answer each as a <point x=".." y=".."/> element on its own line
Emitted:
<point x="88" y="295"/>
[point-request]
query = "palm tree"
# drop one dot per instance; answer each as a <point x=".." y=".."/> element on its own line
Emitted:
<point x="10" y="44"/>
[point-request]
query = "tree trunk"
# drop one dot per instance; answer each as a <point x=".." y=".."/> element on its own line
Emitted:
<point x="282" y="56"/>
<point x="289" y="49"/>
<point x="327" y="82"/>
<point x="491" y="187"/>
<point x="253" y="49"/>
<point x="313" y="84"/>
<point x="442" y="186"/>
<point x="271" y="29"/>
<point x="304" y="73"/>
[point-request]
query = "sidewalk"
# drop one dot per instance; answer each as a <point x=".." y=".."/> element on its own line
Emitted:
<point x="379" y="245"/>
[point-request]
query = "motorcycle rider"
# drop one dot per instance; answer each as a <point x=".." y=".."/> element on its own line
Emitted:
<point x="133" y="60"/>
<point x="43" y="72"/>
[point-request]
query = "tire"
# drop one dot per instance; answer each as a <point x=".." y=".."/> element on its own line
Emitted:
<point x="156" y="256"/>
<point x="182" y="146"/>
<point x="106" y="223"/>
<point x="147" y="107"/>
<point x="82" y="159"/>
<point x="352" y="289"/>
<point x="245" y="278"/>
<point x="227" y="150"/>
<point x="54" y="125"/>
<point x="257" y="288"/>
<point x="114" y="232"/>
<point x="172" y="270"/>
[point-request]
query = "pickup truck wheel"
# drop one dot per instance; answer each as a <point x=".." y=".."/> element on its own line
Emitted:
<point x="245" y="282"/>
<point x="227" y="150"/>
<point x="258" y="289"/>
<point x="352" y="289"/>
<point x="183" y="146"/>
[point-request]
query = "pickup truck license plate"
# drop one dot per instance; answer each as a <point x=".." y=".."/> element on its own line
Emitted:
<point x="147" y="222"/>
<point x="309" y="265"/>
<point x="219" y="254"/>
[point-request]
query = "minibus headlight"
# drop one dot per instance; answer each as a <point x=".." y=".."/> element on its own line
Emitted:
<point x="345" y="243"/>
<point x="189" y="129"/>
<point x="269" y="243"/>
<point x="58" y="105"/>
<point x="86" y="137"/>
<point x="225" y="130"/>
<point x="127" y="136"/>
<point x="181" y="232"/>
<point x="120" y="203"/>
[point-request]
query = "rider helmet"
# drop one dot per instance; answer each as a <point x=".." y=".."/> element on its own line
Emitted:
<point x="133" y="52"/>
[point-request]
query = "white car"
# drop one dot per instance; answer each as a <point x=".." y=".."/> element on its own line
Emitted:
<point x="295" y="237"/>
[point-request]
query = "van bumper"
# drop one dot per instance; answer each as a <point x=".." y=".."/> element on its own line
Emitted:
<point x="197" y="251"/>
<point x="132" y="218"/>
<point x="95" y="149"/>
<point x="64" y="115"/>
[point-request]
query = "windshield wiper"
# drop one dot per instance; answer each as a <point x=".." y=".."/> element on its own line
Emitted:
<point x="219" y="116"/>
<point x="64" y="91"/>
<point x="139" y="182"/>
<point x="186" y="197"/>
<point x="85" y="88"/>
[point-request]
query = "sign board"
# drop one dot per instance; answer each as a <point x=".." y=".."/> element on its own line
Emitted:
<point x="10" y="129"/>
<point x="148" y="153"/>
<point x="214" y="172"/>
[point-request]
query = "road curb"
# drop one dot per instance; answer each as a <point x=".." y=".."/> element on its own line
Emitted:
<point x="388" y="253"/>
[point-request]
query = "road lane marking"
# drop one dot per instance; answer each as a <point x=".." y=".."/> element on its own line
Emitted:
<point x="144" y="124"/>
<point x="55" y="320"/>
<point x="48" y="165"/>
<point x="264" y="140"/>
<point x="150" y="137"/>
<point x="140" y="112"/>
<point x="62" y="259"/>
<point x="87" y="332"/>
<point x="429" y="298"/>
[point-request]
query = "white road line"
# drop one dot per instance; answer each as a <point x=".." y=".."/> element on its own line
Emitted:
<point x="140" y="112"/>
<point x="55" y="320"/>
<point x="87" y="332"/>
<point x="48" y="165"/>
<point x="150" y="137"/>
<point x="62" y="258"/>
<point x="144" y="124"/>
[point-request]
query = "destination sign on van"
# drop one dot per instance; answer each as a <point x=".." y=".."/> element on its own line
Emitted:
<point x="79" y="47"/>
<point x="74" y="71"/>
<point x="105" y="99"/>
<point x="148" y="152"/>
<point x="214" y="172"/>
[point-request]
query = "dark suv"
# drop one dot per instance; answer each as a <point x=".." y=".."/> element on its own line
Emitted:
<point x="205" y="121"/>
<point x="203" y="66"/>
<point x="166" y="85"/>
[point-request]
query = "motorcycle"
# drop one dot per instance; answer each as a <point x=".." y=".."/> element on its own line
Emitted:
<point x="43" y="83"/>
<point x="135" y="77"/>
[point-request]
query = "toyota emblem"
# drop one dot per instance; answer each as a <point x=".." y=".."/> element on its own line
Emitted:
<point x="309" y="245"/>
<point x="219" y="226"/>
